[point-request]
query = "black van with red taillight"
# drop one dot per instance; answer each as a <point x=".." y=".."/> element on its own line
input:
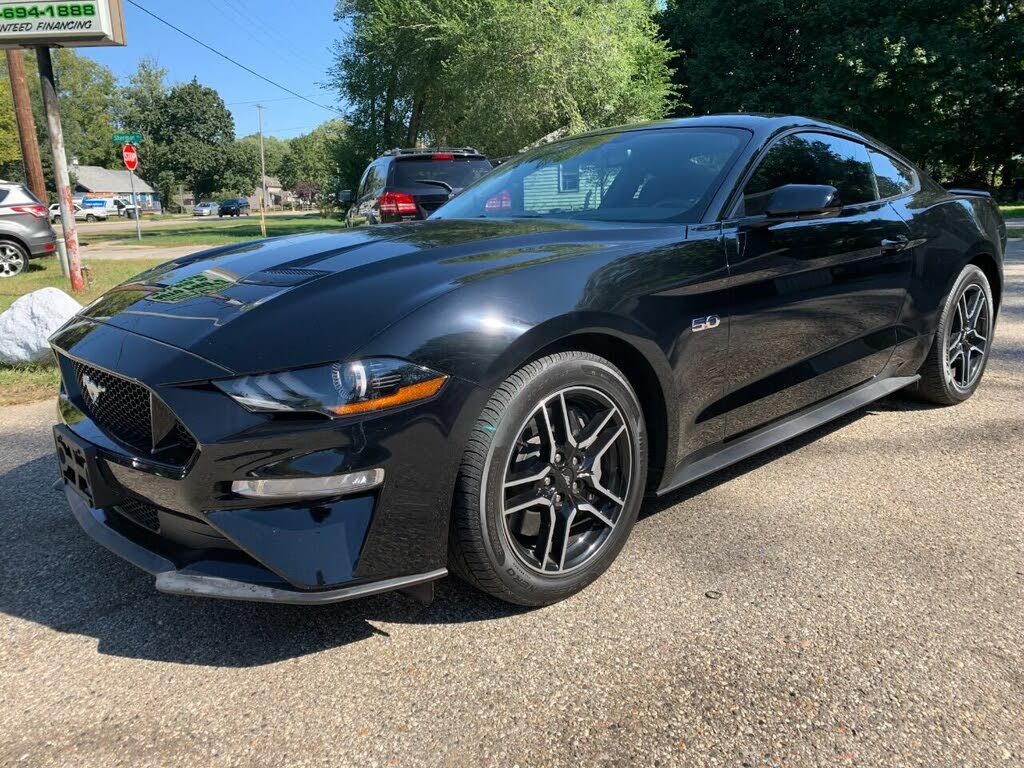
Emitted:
<point x="410" y="184"/>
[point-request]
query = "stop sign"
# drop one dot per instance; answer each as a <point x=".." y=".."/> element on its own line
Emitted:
<point x="131" y="157"/>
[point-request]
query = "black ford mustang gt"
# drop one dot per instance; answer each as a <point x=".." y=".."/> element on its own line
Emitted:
<point x="313" y="418"/>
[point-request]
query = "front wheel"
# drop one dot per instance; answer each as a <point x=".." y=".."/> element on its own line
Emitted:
<point x="956" y="362"/>
<point x="551" y="481"/>
<point x="90" y="217"/>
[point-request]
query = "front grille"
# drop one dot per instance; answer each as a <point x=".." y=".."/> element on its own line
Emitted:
<point x="124" y="409"/>
<point x="140" y="512"/>
<point x="118" y="405"/>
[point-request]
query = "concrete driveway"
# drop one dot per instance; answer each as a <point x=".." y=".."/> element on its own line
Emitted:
<point x="853" y="598"/>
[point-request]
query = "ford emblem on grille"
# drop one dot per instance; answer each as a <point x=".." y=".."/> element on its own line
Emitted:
<point x="92" y="389"/>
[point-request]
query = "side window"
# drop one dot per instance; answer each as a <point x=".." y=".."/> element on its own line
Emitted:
<point x="363" y="184"/>
<point x="893" y="177"/>
<point x="811" y="158"/>
<point x="378" y="175"/>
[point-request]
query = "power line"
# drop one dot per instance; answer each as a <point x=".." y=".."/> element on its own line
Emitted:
<point x="266" y="101"/>
<point x="224" y="56"/>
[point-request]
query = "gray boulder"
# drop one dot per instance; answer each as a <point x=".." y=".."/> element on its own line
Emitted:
<point x="28" y="323"/>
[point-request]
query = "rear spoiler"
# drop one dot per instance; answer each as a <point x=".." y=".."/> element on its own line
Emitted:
<point x="969" y="192"/>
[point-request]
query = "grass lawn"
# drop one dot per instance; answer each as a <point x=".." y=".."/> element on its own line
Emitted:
<point x="213" y="231"/>
<point x="1013" y="211"/>
<point x="24" y="384"/>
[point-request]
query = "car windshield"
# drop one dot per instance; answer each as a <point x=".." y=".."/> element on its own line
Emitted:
<point x="662" y="174"/>
<point x="441" y="172"/>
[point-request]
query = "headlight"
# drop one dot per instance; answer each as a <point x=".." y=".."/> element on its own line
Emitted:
<point x="339" y="389"/>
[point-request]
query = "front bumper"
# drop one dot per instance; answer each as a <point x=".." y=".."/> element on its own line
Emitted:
<point x="201" y="539"/>
<point x="210" y="577"/>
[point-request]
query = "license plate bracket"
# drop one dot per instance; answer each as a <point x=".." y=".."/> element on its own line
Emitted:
<point x="79" y="468"/>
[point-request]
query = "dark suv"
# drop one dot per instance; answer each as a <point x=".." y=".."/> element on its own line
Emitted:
<point x="235" y="206"/>
<point x="25" y="231"/>
<point x="410" y="184"/>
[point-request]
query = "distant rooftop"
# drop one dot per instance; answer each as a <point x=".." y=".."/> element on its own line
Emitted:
<point x="92" y="178"/>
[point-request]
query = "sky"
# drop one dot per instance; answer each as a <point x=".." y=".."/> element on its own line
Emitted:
<point x="287" y="41"/>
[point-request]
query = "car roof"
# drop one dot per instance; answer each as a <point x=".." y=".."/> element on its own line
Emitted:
<point x="763" y="125"/>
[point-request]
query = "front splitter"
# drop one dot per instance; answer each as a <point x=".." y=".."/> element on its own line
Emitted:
<point x="184" y="581"/>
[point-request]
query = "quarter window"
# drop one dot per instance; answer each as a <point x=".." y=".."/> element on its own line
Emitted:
<point x="893" y="177"/>
<point x="811" y="158"/>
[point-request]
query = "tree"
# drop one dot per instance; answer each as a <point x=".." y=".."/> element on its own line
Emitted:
<point x="242" y="170"/>
<point x="497" y="74"/>
<point x="140" y="101"/>
<point x="311" y="167"/>
<point x="937" y="79"/>
<point x="10" y="147"/>
<point x="193" y="136"/>
<point x="87" y="90"/>
<point x="275" y="150"/>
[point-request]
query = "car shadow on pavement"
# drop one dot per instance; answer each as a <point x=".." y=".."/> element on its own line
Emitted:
<point x="53" y="575"/>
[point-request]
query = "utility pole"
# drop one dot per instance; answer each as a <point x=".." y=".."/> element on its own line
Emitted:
<point x="60" y="166"/>
<point x="263" y="176"/>
<point x="26" y="124"/>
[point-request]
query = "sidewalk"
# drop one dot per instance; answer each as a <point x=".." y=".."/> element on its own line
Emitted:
<point x="139" y="252"/>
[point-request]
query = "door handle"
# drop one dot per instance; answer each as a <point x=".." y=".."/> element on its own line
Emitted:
<point x="896" y="243"/>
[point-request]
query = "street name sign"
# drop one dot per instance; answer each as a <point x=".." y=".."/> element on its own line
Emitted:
<point x="63" y="23"/>
<point x="127" y="137"/>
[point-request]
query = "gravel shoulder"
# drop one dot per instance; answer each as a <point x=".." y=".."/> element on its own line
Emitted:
<point x="869" y="611"/>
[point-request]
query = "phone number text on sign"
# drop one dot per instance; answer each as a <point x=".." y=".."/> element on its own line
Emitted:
<point x="63" y="11"/>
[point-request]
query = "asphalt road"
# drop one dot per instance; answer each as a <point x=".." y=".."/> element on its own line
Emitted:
<point x="853" y="598"/>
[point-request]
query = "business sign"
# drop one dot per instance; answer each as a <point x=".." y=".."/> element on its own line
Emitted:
<point x="60" y="23"/>
<point x="131" y="157"/>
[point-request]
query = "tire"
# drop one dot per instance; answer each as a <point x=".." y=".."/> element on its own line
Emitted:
<point x="90" y="217"/>
<point x="944" y="378"/>
<point x="13" y="259"/>
<point x="524" y="556"/>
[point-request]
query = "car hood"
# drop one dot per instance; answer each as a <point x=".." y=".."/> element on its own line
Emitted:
<point x="308" y="299"/>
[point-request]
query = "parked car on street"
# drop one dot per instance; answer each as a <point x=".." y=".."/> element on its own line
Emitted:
<point x="25" y="231"/>
<point x="206" y="208"/>
<point x="493" y="391"/>
<point x="235" y="206"/>
<point x="81" y="214"/>
<point x="410" y="184"/>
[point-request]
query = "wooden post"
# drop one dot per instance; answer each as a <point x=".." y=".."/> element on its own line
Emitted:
<point x="26" y="124"/>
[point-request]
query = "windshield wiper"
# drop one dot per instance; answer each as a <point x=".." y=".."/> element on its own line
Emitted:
<point x="436" y="182"/>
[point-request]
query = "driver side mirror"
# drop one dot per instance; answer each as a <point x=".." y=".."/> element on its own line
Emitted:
<point x="345" y="196"/>
<point x="803" y="199"/>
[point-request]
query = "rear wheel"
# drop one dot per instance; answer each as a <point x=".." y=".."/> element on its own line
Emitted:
<point x="956" y="362"/>
<point x="13" y="259"/>
<point x="551" y="481"/>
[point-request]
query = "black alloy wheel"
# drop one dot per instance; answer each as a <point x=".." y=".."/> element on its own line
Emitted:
<point x="567" y="480"/>
<point x="959" y="354"/>
<point x="551" y="481"/>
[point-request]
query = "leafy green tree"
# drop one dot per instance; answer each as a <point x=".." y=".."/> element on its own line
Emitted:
<point x="274" y="149"/>
<point x="940" y="80"/>
<point x="242" y="172"/>
<point x="497" y="74"/>
<point x="193" y="136"/>
<point x="311" y="165"/>
<point x="10" y="148"/>
<point x="139" y="102"/>
<point x="87" y="92"/>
